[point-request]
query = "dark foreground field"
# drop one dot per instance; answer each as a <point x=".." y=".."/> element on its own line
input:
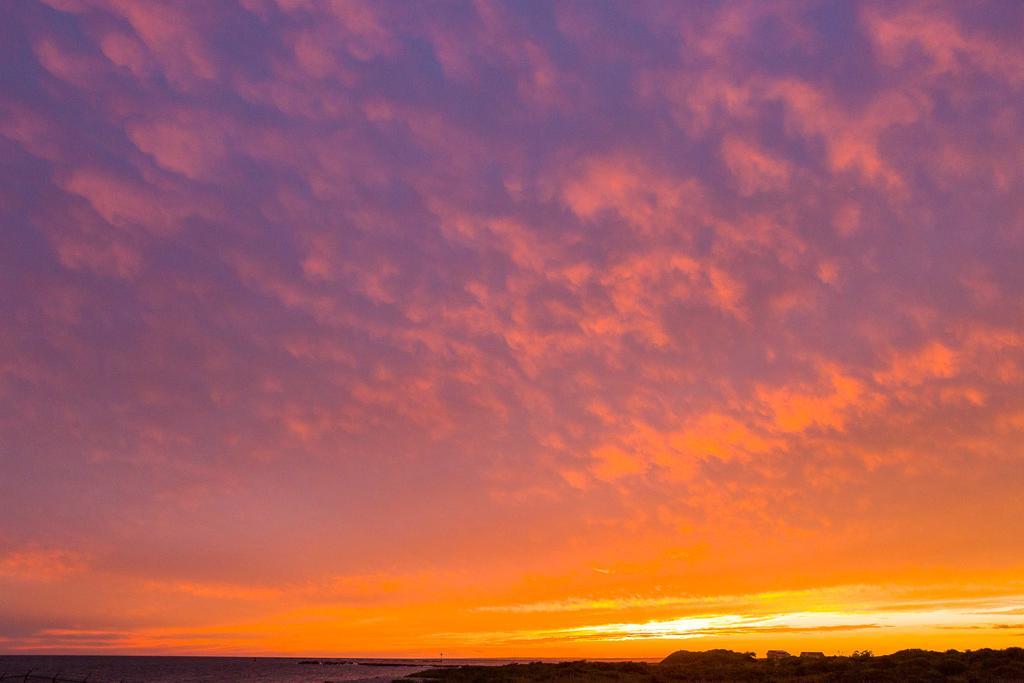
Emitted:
<point x="724" y="665"/>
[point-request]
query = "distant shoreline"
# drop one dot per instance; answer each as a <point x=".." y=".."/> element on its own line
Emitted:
<point x="904" y="665"/>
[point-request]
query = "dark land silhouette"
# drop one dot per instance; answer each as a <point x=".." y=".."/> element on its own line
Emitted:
<point x="726" y="665"/>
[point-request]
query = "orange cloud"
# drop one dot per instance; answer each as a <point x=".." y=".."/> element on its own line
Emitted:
<point x="34" y="563"/>
<point x="796" y="409"/>
<point x="649" y="202"/>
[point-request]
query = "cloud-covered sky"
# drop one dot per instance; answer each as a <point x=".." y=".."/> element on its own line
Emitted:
<point x="546" y="327"/>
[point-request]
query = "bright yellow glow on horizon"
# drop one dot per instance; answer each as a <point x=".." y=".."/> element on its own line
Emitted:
<point x="837" y="619"/>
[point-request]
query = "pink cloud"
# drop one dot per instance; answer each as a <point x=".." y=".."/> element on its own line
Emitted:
<point x="949" y="47"/>
<point x="754" y="169"/>
<point x="185" y="142"/>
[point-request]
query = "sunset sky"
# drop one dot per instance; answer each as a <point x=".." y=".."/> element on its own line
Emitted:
<point x="530" y="328"/>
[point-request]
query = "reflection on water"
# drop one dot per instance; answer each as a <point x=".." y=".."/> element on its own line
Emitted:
<point x="103" y="669"/>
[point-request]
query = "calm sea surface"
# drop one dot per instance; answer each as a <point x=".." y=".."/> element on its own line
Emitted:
<point x="102" y="669"/>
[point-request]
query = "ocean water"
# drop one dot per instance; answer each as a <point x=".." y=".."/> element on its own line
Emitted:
<point x="103" y="669"/>
<point x="127" y="669"/>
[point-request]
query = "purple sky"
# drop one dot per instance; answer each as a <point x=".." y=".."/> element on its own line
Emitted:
<point x="471" y="300"/>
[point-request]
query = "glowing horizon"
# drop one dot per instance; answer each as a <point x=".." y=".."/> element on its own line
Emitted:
<point x="498" y="328"/>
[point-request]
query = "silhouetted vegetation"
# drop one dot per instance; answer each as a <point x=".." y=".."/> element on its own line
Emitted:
<point x="724" y="665"/>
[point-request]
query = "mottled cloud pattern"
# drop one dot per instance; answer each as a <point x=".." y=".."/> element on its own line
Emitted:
<point x="380" y="316"/>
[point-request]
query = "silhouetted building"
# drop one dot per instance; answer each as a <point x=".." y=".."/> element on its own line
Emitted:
<point x="777" y="654"/>
<point x="812" y="655"/>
